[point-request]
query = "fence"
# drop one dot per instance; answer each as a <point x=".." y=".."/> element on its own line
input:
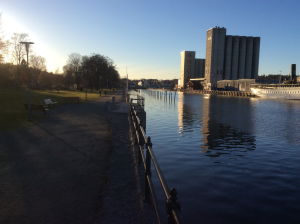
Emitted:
<point x="173" y="207"/>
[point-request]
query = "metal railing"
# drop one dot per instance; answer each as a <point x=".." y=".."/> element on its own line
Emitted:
<point x="140" y="101"/>
<point x="173" y="207"/>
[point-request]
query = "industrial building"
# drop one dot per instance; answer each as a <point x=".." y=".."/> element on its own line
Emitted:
<point x="191" y="67"/>
<point x="293" y="71"/>
<point x="227" y="58"/>
<point x="230" y="57"/>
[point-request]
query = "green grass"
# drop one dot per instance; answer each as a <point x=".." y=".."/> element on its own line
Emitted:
<point x="13" y="113"/>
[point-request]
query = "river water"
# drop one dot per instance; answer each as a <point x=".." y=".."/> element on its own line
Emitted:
<point x="231" y="159"/>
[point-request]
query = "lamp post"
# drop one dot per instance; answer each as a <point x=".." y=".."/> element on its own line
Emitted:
<point x="280" y="77"/>
<point x="85" y="84"/>
<point x="107" y="84"/>
<point x="100" y="84"/>
<point x="28" y="90"/>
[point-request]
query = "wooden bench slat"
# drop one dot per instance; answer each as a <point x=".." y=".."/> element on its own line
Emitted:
<point x="36" y="107"/>
<point x="71" y="99"/>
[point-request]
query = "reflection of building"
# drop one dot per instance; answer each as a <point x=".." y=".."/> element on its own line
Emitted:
<point x="191" y="67"/>
<point x="217" y="138"/>
<point x="180" y="111"/>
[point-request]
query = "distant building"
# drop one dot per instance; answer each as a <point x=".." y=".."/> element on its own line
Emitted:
<point x="230" y="57"/>
<point x="144" y="84"/>
<point x="227" y="58"/>
<point x="215" y="49"/>
<point x="293" y="71"/>
<point x="199" y="68"/>
<point x="191" y="67"/>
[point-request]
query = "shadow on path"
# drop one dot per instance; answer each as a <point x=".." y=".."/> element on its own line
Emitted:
<point x="70" y="168"/>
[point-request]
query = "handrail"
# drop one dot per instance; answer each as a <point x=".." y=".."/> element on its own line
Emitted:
<point x="173" y="207"/>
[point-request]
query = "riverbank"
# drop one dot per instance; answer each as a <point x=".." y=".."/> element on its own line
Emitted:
<point x="76" y="166"/>
<point x="214" y="92"/>
<point x="217" y="92"/>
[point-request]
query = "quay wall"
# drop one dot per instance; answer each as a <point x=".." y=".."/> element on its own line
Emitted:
<point x="215" y="92"/>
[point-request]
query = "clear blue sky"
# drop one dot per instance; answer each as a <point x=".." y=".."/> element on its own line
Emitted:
<point x="147" y="36"/>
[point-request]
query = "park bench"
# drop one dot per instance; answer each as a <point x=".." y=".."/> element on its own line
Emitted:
<point x="36" y="107"/>
<point x="49" y="102"/>
<point x="71" y="99"/>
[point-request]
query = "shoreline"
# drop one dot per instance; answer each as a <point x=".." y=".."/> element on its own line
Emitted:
<point x="213" y="92"/>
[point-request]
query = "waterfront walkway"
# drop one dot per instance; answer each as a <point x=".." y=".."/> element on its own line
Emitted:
<point x="76" y="166"/>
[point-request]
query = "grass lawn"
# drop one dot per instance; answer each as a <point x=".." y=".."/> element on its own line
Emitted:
<point x="13" y="113"/>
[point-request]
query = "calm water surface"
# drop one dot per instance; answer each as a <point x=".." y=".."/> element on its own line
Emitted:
<point x="231" y="159"/>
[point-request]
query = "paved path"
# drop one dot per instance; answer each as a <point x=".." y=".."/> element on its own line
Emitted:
<point x="76" y="166"/>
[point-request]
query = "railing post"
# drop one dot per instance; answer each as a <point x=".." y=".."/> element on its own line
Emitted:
<point x="148" y="170"/>
<point x="171" y="204"/>
<point x="141" y="139"/>
<point x="141" y="142"/>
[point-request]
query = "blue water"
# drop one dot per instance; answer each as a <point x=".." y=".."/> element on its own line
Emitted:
<point x="231" y="159"/>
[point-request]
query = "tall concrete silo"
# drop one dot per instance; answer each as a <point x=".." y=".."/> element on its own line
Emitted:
<point x="255" y="59"/>
<point x="235" y="57"/>
<point x="293" y="71"/>
<point x="249" y="56"/>
<point x="242" y="57"/>
<point x="228" y="56"/>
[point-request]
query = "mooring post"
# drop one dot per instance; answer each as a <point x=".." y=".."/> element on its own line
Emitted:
<point x="171" y="204"/>
<point x="148" y="169"/>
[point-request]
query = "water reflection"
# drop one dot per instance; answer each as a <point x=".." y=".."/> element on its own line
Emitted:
<point x="227" y="141"/>
<point x="217" y="148"/>
<point x="204" y="114"/>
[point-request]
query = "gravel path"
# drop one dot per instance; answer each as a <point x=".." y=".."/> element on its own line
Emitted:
<point x="76" y="166"/>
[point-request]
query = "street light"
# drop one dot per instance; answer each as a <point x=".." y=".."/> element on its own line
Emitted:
<point x="100" y="85"/>
<point x="107" y="84"/>
<point x="85" y="84"/>
<point x="28" y="90"/>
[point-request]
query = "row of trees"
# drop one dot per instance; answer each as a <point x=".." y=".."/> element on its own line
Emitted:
<point x="95" y="71"/>
<point x="16" y="76"/>
<point x="79" y="71"/>
<point x="273" y="77"/>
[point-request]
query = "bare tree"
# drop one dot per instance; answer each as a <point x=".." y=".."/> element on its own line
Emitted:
<point x="68" y="79"/>
<point x="74" y="60"/>
<point x="57" y="71"/>
<point x="74" y="63"/>
<point x="38" y="64"/>
<point x="18" y="51"/>
<point x="3" y="43"/>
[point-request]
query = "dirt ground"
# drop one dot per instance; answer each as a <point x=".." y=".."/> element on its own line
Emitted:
<point x="76" y="166"/>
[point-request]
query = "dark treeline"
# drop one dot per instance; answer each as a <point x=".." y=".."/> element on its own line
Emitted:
<point x="78" y="73"/>
<point x="91" y="71"/>
<point x="273" y="77"/>
<point x="15" y="75"/>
